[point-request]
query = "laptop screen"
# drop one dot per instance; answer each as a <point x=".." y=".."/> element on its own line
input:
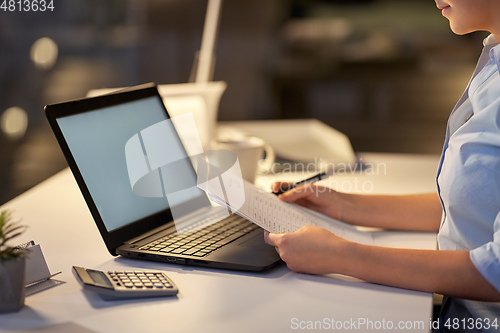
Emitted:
<point x="97" y="140"/>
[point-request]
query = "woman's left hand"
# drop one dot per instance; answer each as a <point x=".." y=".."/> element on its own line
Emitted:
<point x="310" y="250"/>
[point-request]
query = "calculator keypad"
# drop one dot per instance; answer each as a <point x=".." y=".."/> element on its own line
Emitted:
<point x="139" y="280"/>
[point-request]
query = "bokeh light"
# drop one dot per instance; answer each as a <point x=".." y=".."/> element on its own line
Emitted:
<point x="44" y="53"/>
<point x="14" y="122"/>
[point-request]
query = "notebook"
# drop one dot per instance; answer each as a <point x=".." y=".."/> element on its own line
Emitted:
<point x="116" y="146"/>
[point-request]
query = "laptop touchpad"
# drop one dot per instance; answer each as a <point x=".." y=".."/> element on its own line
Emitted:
<point x="254" y="241"/>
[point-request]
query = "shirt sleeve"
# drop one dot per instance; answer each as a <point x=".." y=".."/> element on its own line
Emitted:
<point x="486" y="258"/>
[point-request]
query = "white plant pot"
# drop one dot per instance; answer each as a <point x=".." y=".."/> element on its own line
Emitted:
<point x="12" y="284"/>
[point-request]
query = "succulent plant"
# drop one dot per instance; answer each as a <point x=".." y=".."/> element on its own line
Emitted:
<point x="8" y="230"/>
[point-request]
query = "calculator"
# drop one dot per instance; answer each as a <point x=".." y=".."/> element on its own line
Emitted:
<point x="114" y="285"/>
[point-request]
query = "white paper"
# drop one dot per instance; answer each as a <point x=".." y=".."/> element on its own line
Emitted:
<point x="270" y="213"/>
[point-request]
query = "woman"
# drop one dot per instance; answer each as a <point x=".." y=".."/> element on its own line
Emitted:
<point x="465" y="211"/>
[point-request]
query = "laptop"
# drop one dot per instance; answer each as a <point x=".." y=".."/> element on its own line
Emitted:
<point x="93" y="134"/>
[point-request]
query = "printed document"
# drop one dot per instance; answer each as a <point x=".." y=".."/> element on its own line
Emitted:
<point x="269" y="212"/>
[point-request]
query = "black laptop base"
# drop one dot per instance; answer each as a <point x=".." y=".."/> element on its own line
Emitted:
<point x="265" y="258"/>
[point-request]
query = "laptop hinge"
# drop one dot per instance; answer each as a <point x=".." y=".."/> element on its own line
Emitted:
<point x="160" y="229"/>
<point x="182" y="224"/>
<point x="149" y="234"/>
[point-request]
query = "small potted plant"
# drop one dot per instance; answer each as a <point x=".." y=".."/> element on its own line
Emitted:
<point x="12" y="265"/>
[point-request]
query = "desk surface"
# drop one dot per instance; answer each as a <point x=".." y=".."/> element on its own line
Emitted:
<point x="209" y="300"/>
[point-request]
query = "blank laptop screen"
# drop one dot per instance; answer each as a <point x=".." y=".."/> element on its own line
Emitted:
<point x="97" y="142"/>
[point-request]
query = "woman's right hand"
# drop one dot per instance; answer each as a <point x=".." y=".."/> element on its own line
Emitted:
<point x="315" y="197"/>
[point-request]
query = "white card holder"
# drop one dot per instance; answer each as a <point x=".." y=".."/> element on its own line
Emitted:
<point x="37" y="270"/>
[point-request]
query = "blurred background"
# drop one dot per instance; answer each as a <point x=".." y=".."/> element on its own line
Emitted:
<point x="385" y="72"/>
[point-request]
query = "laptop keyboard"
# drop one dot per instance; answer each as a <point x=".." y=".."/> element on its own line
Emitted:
<point x="203" y="241"/>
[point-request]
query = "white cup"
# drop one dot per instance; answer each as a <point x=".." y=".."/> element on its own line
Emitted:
<point x="250" y="151"/>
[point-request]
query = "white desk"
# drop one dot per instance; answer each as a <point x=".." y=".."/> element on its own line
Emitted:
<point x="209" y="300"/>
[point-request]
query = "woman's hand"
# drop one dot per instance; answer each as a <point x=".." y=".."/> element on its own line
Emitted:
<point x="315" y="197"/>
<point x="309" y="250"/>
<point x="406" y="212"/>
<point x="314" y="250"/>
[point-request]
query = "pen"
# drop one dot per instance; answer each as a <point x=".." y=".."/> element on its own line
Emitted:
<point x="315" y="178"/>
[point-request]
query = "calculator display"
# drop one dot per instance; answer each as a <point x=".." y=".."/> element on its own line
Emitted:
<point x="99" y="278"/>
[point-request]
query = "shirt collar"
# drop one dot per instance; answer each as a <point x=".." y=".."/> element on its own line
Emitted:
<point x="491" y="43"/>
<point x="491" y="39"/>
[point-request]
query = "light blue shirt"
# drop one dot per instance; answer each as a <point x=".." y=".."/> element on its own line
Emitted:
<point x="469" y="179"/>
